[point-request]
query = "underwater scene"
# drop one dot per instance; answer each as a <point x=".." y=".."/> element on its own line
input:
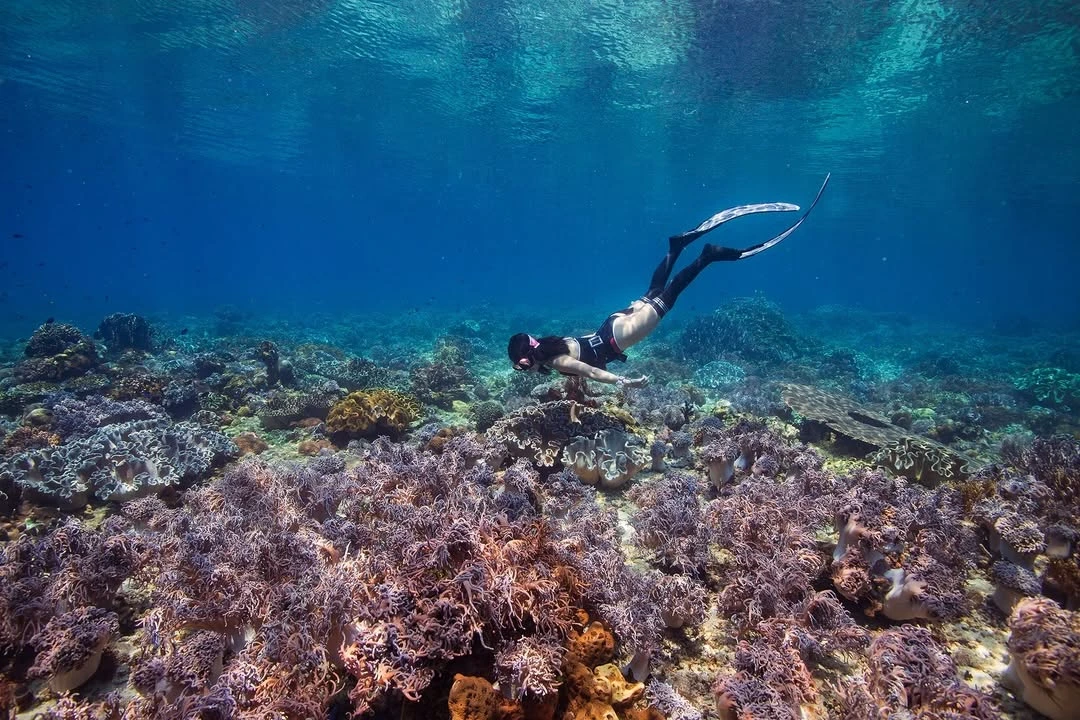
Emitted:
<point x="539" y="359"/>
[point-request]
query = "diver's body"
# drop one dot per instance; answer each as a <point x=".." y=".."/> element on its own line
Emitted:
<point x="587" y="356"/>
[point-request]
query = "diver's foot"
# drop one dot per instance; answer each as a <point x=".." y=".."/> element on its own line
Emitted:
<point x="678" y="243"/>
<point x="713" y="253"/>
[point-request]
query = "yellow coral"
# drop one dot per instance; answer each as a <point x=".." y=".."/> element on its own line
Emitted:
<point x="366" y="413"/>
<point x="623" y="693"/>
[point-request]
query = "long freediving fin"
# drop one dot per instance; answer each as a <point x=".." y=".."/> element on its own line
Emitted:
<point x="755" y="249"/>
<point x="730" y="214"/>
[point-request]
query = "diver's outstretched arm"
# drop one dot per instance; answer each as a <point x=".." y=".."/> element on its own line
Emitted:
<point x="725" y="253"/>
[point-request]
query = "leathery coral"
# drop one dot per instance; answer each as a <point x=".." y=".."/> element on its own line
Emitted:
<point x="540" y="432"/>
<point x="1044" y="658"/>
<point x="71" y="645"/>
<point x="366" y="413"/>
<point x="902" y="550"/>
<point x="670" y="523"/>
<point x="909" y="673"/>
<point x="375" y="578"/>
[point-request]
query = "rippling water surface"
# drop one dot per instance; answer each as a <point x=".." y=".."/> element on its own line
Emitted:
<point x="265" y="153"/>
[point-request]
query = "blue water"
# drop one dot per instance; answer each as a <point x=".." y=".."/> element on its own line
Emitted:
<point x="163" y="156"/>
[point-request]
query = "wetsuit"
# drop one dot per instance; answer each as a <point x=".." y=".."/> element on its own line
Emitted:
<point x="599" y="348"/>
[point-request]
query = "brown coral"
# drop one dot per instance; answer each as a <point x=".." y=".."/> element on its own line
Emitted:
<point x="312" y="447"/>
<point x="367" y="413"/>
<point x="250" y="443"/>
<point x="28" y="438"/>
<point x="472" y="698"/>
<point x="906" y="453"/>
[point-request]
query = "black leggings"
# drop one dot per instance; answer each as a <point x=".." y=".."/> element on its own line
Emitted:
<point x="662" y="295"/>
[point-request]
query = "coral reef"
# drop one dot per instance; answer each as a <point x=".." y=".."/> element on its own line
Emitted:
<point x="107" y="457"/>
<point x="540" y="432"/>
<point x="1050" y="385"/>
<point x="281" y="408"/>
<point x="920" y="458"/>
<point x="670" y="524"/>
<point x="672" y="407"/>
<point x="460" y="566"/>
<point x="71" y="645"/>
<point x="903" y="551"/>
<point x="367" y="413"/>
<point x="52" y="339"/>
<point x="719" y="375"/>
<point x="314" y="570"/>
<point x="911" y="675"/>
<point x="748" y="328"/>
<point x="486" y="413"/>
<point x="279" y="371"/>
<point x="124" y="331"/>
<point x="446" y="378"/>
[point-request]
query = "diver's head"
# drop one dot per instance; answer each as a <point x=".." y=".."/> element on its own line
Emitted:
<point x="529" y="353"/>
<point x="522" y="351"/>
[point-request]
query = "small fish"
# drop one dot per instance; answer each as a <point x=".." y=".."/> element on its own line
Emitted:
<point x="184" y="331"/>
<point x="50" y="321"/>
<point x="17" y="236"/>
<point x="41" y="264"/>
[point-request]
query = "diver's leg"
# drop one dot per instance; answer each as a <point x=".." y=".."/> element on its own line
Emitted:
<point x="663" y="270"/>
<point x="709" y="254"/>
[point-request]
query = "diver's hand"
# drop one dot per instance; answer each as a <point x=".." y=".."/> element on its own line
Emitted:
<point x="625" y="382"/>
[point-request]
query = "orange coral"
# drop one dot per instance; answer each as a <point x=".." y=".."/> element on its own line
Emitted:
<point x="594" y="646"/>
<point x="587" y="693"/>
<point x="366" y="413"/>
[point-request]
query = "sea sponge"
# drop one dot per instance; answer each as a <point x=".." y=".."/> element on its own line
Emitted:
<point x="1044" y="658"/>
<point x="595" y="645"/>
<point x="472" y="698"/>
<point x="623" y="692"/>
<point x="378" y="411"/>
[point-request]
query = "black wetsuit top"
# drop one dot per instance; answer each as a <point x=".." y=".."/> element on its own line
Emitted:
<point x="599" y="348"/>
